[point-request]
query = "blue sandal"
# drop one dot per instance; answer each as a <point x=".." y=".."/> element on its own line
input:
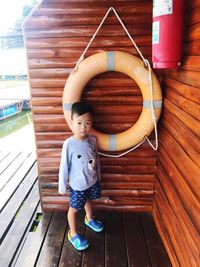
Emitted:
<point x="94" y="224"/>
<point x="78" y="241"/>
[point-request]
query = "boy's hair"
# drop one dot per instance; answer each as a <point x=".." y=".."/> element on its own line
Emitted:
<point x="80" y="108"/>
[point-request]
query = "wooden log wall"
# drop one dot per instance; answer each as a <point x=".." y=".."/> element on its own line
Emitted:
<point x="56" y="34"/>
<point x="176" y="208"/>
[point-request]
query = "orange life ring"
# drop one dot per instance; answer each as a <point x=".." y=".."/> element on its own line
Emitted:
<point x="133" y="67"/>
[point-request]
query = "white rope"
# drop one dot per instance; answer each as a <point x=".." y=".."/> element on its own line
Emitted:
<point x="152" y="108"/>
<point x="97" y="30"/>
<point x="122" y="154"/>
<point x="91" y="40"/>
<point x="147" y="65"/>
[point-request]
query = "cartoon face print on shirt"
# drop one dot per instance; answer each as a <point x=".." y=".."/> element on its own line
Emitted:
<point x="91" y="163"/>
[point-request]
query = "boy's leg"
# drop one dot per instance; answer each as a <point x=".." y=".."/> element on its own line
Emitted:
<point x="72" y="220"/>
<point x="88" y="210"/>
<point x="93" y="193"/>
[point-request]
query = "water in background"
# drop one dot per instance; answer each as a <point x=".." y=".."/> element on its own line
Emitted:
<point x="15" y="123"/>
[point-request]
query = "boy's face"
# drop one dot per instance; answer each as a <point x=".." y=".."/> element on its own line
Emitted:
<point x="81" y="125"/>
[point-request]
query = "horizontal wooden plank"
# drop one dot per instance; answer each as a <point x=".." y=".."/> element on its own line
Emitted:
<point x="182" y="248"/>
<point x="192" y="48"/>
<point x="70" y="52"/>
<point x="125" y="161"/>
<point x="188" y="5"/>
<point x="91" y="1"/>
<point x="187" y="196"/>
<point x="106" y="100"/>
<point x="189" y="92"/>
<point x="184" y="76"/>
<point x="59" y="118"/>
<point x="52" y="136"/>
<point x="188" y="120"/>
<point x="185" y="144"/>
<point x="50" y="73"/>
<point x="105" y="169"/>
<point x="191" y="62"/>
<point x="50" y="82"/>
<point x="189" y="170"/>
<point x="110" y="128"/>
<point x="192" y="33"/>
<point x="127" y="185"/>
<point x="48" y="144"/>
<point x="78" y="31"/>
<point x="60" y="82"/>
<point x="107" y="110"/>
<point x="143" y="151"/>
<point x="194" y="16"/>
<point x="189" y="231"/>
<point x="122" y="208"/>
<point x="77" y="42"/>
<point x="93" y="8"/>
<point x="111" y="201"/>
<point x="67" y="20"/>
<point x="173" y="121"/>
<point x="132" y="90"/>
<point x="188" y="106"/>
<point x="51" y="190"/>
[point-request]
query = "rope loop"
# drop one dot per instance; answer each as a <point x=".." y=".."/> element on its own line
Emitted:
<point x="147" y="66"/>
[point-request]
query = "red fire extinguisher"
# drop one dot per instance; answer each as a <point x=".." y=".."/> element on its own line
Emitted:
<point x="167" y="33"/>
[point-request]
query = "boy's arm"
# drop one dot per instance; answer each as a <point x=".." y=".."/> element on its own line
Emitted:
<point x="99" y="170"/>
<point x="63" y="171"/>
<point x="98" y="165"/>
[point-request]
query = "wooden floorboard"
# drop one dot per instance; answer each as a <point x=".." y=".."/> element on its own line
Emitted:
<point x="50" y="252"/>
<point x="137" y="253"/>
<point x="33" y="243"/>
<point x="115" y="250"/>
<point x="31" y="238"/>
<point x="15" y="178"/>
<point x="8" y="214"/>
<point x="95" y="255"/>
<point x="155" y="246"/>
<point x="18" y="229"/>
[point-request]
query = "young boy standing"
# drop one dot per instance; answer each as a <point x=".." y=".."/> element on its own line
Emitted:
<point x="80" y="164"/>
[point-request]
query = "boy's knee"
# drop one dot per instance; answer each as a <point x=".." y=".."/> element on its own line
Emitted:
<point x="72" y="210"/>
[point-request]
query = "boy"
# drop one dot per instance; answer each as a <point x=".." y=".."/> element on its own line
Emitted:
<point x="79" y="162"/>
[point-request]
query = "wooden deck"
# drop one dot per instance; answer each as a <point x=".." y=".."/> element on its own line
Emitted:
<point x="30" y="238"/>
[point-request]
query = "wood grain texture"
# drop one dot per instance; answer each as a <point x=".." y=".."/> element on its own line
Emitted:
<point x="176" y="206"/>
<point x="56" y="34"/>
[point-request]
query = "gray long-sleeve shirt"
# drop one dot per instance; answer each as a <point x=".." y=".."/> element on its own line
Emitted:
<point x="79" y="164"/>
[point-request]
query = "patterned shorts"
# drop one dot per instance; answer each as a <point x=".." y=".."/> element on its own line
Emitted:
<point x="77" y="199"/>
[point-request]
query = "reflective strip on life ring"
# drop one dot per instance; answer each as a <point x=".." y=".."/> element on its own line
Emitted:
<point x="131" y="66"/>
